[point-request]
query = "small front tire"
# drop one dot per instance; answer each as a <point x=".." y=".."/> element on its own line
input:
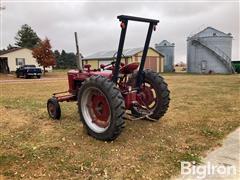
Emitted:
<point x="53" y="108"/>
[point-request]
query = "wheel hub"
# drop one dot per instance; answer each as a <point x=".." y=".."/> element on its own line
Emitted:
<point x="99" y="110"/>
<point x="51" y="108"/>
<point x="147" y="96"/>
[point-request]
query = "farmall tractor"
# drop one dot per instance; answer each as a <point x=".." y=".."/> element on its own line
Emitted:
<point x="106" y="94"/>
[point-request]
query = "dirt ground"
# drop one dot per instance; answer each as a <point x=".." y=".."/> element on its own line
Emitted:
<point x="203" y="110"/>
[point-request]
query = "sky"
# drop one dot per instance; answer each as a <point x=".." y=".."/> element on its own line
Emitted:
<point x="99" y="30"/>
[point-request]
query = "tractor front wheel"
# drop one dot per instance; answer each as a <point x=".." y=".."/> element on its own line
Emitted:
<point x="153" y="97"/>
<point x="101" y="107"/>
<point x="53" y="108"/>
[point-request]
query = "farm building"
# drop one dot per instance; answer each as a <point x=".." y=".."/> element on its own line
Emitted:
<point x="154" y="59"/>
<point x="209" y="51"/>
<point x="167" y="49"/>
<point x="11" y="59"/>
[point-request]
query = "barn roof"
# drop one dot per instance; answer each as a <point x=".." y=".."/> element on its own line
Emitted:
<point x="112" y="54"/>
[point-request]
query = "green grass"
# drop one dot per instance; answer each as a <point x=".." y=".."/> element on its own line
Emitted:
<point x="208" y="132"/>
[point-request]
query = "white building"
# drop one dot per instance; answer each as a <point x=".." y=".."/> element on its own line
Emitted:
<point x="11" y="59"/>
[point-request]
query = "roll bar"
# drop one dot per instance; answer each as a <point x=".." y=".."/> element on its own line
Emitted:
<point x="140" y="19"/>
<point x="124" y="22"/>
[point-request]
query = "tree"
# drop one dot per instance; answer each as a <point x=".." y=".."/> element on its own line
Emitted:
<point x="71" y="60"/>
<point x="57" y="54"/>
<point x="44" y="55"/>
<point x="57" y="57"/>
<point x="65" y="60"/>
<point x="26" y="37"/>
<point x="10" y="47"/>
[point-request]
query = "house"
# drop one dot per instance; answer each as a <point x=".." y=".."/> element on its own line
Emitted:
<point x="154" y="59"/>
<point x="209" y="51"/>
<point x="11" y="59"/>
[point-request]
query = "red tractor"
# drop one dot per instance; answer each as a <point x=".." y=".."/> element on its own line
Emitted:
<point x="104" y="95"/>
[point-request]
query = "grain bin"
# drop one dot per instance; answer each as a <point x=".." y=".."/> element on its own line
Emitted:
<point x="209" y="51"/>
<point x="167" y="49"/>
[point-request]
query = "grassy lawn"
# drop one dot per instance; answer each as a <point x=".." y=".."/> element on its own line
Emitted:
<point x="203" y="110"/>
<point x="59" y="73"/>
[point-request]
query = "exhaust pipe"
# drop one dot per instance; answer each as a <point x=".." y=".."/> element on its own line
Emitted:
<point x="78" y="57"/>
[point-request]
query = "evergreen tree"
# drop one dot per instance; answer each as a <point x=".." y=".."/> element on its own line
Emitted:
<point x="10" y="47"/>
<point x="65" y="60"/>
<point x="57" y="56"/>
<point x="26" y="37"/>
<point x="71" y="60"/>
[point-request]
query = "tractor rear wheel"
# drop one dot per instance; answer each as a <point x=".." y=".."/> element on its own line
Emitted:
<point x="101" y="108"/>
<point x="153" y="97"/>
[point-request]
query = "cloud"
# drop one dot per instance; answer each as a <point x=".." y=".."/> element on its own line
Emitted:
<point x="98" y="28"/>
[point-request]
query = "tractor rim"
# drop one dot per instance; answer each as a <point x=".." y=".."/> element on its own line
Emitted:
<point x="147" y="97"/>
<point x="52" y="109"/>
<point x="95" y="109"/>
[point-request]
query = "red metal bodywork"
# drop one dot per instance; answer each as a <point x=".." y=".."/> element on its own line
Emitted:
<point x="76" y="78"/>
<point x="128" y="69"/>
<point x="130" y="98"/>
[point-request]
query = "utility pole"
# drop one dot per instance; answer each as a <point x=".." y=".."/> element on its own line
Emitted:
<point x="1" y="6"/>
<point x="78" y="58"/>
<point x="1" y="24"/>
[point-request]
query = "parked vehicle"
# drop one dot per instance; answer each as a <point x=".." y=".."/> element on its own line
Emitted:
<point x="104" y="95"/>
<point x="27" y="71"/>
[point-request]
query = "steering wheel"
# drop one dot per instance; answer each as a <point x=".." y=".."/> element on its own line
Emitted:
<point x="103" y="66"/>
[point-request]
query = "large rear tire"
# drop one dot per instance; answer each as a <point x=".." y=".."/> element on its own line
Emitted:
<point x="155" y="93"/>
<point x="101" y="108"/>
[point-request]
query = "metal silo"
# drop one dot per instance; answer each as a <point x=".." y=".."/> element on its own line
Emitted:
<point x="209" y="51"/>
<point x="167" y="49"/>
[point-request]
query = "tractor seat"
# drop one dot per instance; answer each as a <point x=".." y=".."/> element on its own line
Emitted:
<point x="128" y="69"/>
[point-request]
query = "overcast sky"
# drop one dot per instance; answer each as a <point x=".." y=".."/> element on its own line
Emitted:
<point x="98" y="28"/>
